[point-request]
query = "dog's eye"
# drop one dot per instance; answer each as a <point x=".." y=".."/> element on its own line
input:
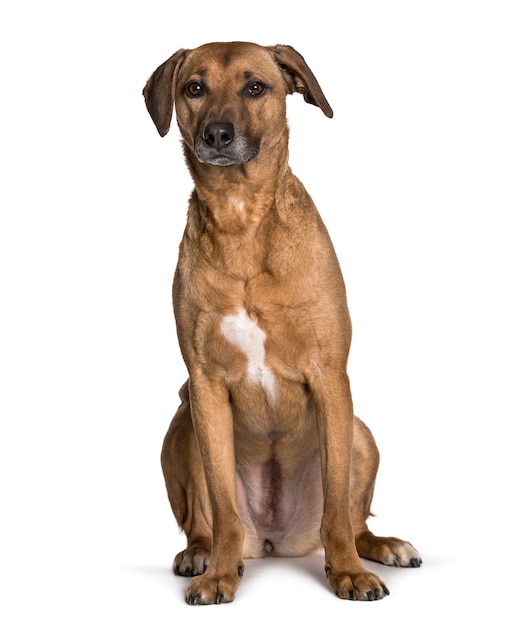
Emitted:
<point x="256" y="88"/>
<point x="194" y="89"/>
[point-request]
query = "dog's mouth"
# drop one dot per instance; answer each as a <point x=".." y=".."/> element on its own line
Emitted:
<point x="235" y="153"/>
<point x="224" y="160"/>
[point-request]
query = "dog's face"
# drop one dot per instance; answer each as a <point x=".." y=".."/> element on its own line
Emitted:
<point x="229" y="98"/>
<point x="228" y="101"/>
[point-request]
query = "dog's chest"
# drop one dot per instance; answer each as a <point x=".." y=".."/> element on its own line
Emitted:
<point x="245" y="334"/>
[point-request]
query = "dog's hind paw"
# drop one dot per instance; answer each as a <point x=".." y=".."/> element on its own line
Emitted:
<point x="403" y="554"/>
<point x="192" y="561"/>
<point x="388" y="550"/>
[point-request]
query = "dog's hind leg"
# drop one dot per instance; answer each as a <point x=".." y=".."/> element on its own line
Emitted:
<point x="187" y="490"/>
<point x="386" y="550"/>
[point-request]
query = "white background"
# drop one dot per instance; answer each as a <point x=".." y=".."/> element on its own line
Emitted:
<point x="411" y="177"/>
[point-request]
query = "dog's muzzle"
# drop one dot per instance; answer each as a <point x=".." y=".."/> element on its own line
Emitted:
<point x="218" y="145"/>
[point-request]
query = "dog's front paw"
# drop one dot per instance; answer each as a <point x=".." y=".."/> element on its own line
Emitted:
<point x="192" y="561"/>
<point x="357" y="586"/>
<point x="210" y="588"/>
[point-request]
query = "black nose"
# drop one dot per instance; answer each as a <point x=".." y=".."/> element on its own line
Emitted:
<point x="219" y="134"/>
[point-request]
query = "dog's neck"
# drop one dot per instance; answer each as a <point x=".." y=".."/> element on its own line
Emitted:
<point x="237" y="197"/>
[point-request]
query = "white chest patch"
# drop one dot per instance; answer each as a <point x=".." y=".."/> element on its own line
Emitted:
<point x="247" y="336"/>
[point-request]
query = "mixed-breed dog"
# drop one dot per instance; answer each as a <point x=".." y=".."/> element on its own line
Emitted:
<point x="264" y="456"/>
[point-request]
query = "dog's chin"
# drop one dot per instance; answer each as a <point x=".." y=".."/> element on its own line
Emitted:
<point x="225" y="161"/>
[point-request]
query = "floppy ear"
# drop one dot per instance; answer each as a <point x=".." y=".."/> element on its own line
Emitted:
<point x="299" y="77"/>
<point x="159" y="91"/>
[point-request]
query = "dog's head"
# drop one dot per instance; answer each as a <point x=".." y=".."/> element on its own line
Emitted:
<point x="229" y="98"/>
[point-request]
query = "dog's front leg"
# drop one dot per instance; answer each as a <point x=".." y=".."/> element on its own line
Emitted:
<point x="334" y="410"/>
<point x="213" y="425"/>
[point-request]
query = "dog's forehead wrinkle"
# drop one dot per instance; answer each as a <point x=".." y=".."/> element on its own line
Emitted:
<point x="242" y="61"/>
<point x="218" y="79"/>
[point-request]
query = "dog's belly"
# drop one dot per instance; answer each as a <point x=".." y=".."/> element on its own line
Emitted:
<point x="280" y="507"/>
<point x="279" y="482"/>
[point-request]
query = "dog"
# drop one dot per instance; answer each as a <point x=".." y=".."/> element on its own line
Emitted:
<point x="264" y="456"/>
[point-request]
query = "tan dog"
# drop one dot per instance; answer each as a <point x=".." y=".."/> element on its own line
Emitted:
<point x="264" y="456"/>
